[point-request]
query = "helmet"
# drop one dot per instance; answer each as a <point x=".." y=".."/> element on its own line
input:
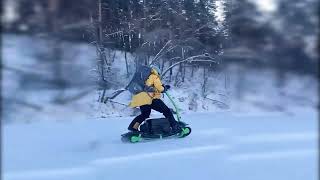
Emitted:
<point x="156" y="68"/>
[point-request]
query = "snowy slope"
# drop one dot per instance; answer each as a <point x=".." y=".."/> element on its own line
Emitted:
<point x="227" y="146"/>
<point x="259" y="92"/>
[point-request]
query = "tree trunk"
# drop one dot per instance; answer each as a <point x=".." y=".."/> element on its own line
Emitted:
<point x="205" y="79"/>
<point x="240" y="83"/>
<point x="183" y="65"/>
<point x="101" y="48"/>
<point x="192" y="70"/>
<point x="56" y="57"/>
<point x="127" y="68"/>
<point x="170" y="79"/>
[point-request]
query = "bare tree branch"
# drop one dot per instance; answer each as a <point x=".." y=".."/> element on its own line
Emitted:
<point x="24" y="103"/>
<point x="114" y="33"/>
<point x="115" y="94"/>
<point x="118" y="103"/>
<point x="198" y="58"/>
<point x="73" y="98"/>
<point x="219" y="103"/>
<point x="160" y="52"/>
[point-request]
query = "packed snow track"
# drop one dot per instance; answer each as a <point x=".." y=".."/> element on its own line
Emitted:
<point x="221" y="146"/>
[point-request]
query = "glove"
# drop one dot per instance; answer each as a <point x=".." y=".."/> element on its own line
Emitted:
<point x="166" y="87"/>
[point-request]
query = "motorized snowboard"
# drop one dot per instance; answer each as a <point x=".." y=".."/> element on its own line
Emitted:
<point x="153" y="129"/>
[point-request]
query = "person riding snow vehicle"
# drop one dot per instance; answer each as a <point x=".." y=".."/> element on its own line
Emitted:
<point x="150" y="98"/>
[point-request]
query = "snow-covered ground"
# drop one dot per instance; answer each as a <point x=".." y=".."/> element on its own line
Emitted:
<point x="222" y="146"/>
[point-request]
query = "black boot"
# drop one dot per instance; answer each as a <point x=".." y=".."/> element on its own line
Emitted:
<point x="134" y="127"/>
<point x="175" y="129"/>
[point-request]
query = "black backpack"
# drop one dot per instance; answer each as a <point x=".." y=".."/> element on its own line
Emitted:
<point x="137" y="83"/>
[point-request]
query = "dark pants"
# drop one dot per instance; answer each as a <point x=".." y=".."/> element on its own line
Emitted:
<point x="158" y="105"/>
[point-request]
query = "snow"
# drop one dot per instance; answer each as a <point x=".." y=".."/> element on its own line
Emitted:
<point x="220" y="11"/>
<point x="9" y="12"/>
<point x="266" y="6"/>
<point x="222" y="146"/>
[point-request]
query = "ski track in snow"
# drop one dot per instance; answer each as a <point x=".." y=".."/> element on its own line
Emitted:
<point x="276" y="137"/>
<point x="56" y="173"/>
<point x="93" y="165"/>
<point x="229" y="144"/>
<point x="284" y="154"/>
<point x="213" y="132"/>
<point x="153" y="155"/>
<point x="48" y="173"/>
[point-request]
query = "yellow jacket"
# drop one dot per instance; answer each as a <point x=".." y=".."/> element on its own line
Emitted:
<point x="144" y="98"/>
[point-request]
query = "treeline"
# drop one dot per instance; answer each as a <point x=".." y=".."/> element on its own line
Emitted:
<point x="284" y="40"/>
<point x="129" y="24"/>
<point x="67" y="18"/>
<point x="126" y="24"/>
